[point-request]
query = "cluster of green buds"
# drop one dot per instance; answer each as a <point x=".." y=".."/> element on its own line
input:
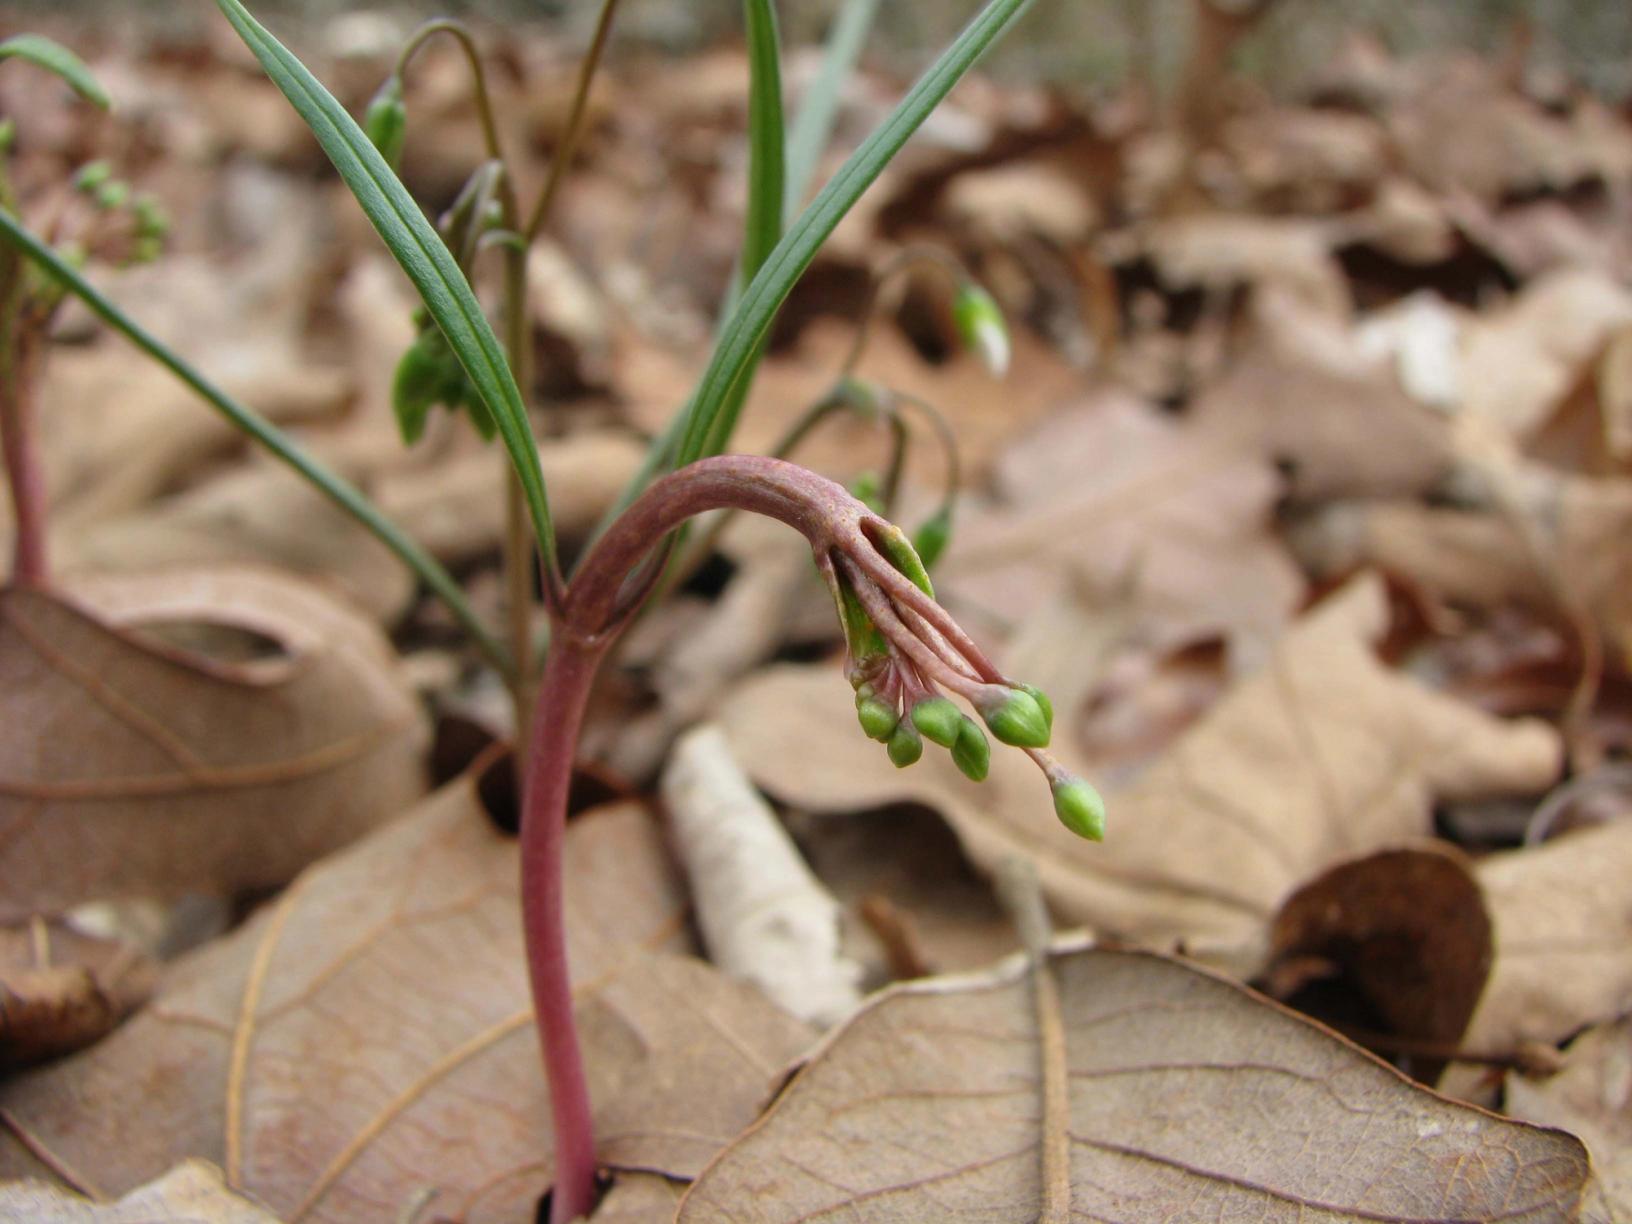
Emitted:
<point x="131" y="227"/>
<point x="905" y="654"/>
<point x="429" y="373"/>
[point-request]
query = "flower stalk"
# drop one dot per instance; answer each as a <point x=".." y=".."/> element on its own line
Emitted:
<point x="904" y="652"/>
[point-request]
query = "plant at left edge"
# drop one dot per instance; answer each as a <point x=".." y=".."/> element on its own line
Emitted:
<point x="905" y="655"/>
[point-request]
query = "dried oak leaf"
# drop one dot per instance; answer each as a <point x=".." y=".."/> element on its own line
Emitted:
<point x="192" y="1191"/>
<point x="256" y="514"/>
<point x="1112" y="496"/>
<point x="133" y="768"/>
<point x="1165" y="1092"/>
<point x="368" y="1036"/>
<point x="1321" y="755"/>
<point x="1306" y="395"/>
<point x="1563" y="938"/>
<point x="1591" y="1096"/>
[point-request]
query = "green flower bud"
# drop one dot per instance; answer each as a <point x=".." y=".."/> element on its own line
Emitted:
<point x="862" y="396"/>
<point x="895" y="546"/>
<point x="1080" y="808"/>
<point x="938" y="719"/>
<point x="981" y="328"/>
<point x="112" y="194"/>
<point x="878" y="719"/>
<point x="151" y="219"/>
<point x="932" y="537"/>
<point x="905" y="746"/>
<point x="92" y="175"/>
<point x="8" y="133"/>
<point x="972" y="754"/>
<point x="1017" y="719"/>
<point x="1041" y="698"/>
<point x="386" y="121"/>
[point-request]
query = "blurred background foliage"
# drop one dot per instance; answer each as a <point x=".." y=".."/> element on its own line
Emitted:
<point x="1090" y="44"/>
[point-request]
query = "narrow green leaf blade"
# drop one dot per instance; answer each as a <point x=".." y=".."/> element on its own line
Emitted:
<point x="420" y="251"/>
<point x="767" y="158"/>
<point x="42" y="52"/>
<point x="714" y="407"/>
<point x="343" y="494"/>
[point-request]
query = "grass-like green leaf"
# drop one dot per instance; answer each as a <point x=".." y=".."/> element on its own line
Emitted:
<point x="343" y="494"/>
<point x="715" y="404"/>
<point x="767" y="159"/>
<point x="813" y="122"/>
<point x="419" y="249"/>
<point x="54" y="57"/>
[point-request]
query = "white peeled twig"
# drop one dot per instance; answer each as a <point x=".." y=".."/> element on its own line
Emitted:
<point x="765" y="918"/>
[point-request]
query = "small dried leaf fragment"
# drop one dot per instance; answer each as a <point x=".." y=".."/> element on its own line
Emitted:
<point x="1591" y="1097"/>
<point x="1189" y="1097"/>
<point x="375" y="1019"/>
<point x="132" y="768"/>
<point x="192" y="1191"/>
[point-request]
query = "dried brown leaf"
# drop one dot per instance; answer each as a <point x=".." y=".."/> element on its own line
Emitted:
<point x="1189" y="1098"/>
<point x="368" y="1037"/>
<point x="1306" y="395"/>
<point x="1563" y="938"/>
<point x="1591" y="1096"/>
<point x="1400" y="935"/>
<point x="132" y="768"/>
<point x="1322" y="754"/>
<point x="192" y="1191"/>
<point x="1111" y="497"/>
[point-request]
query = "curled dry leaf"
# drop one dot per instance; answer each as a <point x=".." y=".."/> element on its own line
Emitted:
<point x="1167" y="1092"/>
<point x="1321" y="755"/>
<point x="192" y="1190"/>
<point x="60" y="990"/>
<point x="1401" y="935"/>
<point x="133" y="768"/>
<point x="765" y="918"/>
<point x="1591" y="1097"/>
<point x="1563" y="938"/>
<point x="368" y="1036"/>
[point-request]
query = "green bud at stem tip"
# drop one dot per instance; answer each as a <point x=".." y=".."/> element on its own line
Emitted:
<point x="1017" y="719"/>
<point x="981" y="328"/>
<point x="938" y="719"/>
<point x="895" y="546"/>
<point x="878" y="720"/>
<point x="386" y="121"/>
<point x="905" y="746"/>
<point x="1041" y="698"/>
<point x="92" y="175"/>
<point x="1080" y="808"/>
<point x="972" y="754"/>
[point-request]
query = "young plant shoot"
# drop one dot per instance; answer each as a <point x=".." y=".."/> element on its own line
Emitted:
<point x="908" y="661"/>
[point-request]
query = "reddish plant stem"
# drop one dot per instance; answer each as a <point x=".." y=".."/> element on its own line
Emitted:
<point x="569" y="674"/>
<point x="585" y="622"/>
<point x="24" y="473"/>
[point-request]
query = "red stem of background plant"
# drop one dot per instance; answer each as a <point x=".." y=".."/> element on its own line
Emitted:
<point x="21" y="453"/>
